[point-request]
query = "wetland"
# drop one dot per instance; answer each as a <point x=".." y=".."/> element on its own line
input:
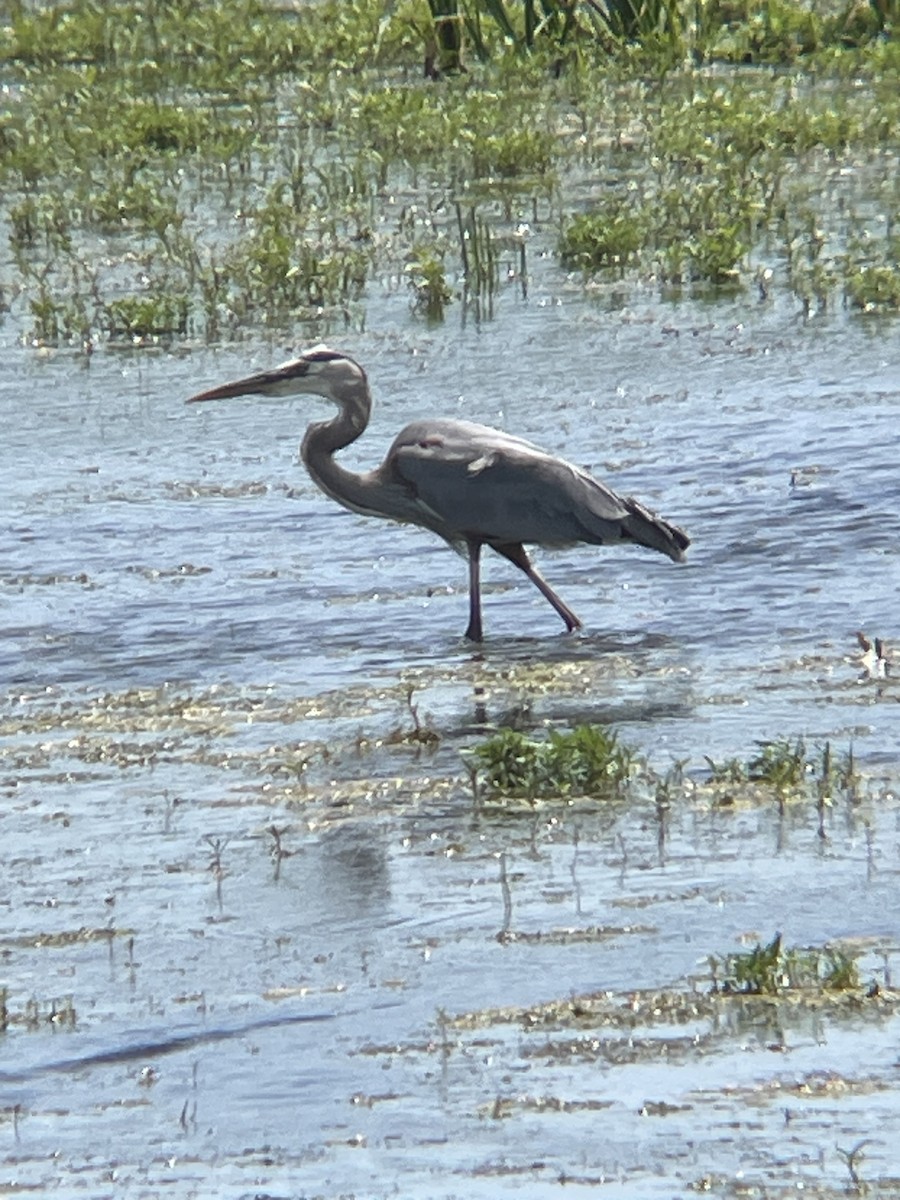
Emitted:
<point x="303" y="894"/>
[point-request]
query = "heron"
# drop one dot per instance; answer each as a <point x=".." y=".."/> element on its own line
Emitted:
<point x="472" y="485"/>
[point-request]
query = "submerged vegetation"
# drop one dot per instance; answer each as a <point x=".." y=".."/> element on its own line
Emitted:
<point x="175" y="170"/>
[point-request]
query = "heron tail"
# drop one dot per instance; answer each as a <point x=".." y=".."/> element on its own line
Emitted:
<point x="647" y="529"/>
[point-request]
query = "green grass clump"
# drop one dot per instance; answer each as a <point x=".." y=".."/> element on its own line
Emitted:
<point x="514" y="153"/>
<point x="730" y="770"/>
<point x="872" y="288"/>
<point x="147" y="316"/>
<point x="587" y="761"/>
<point x="609" y="236"/>
<point x="696" y="233"/>
<point x="772" y="970"/>
<point x="789" y="768"/>
<point x="427" y="279"/>
<point x="781" y="764"/>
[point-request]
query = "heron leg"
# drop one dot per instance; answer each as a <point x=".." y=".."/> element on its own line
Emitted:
<point x="515" y="553"/>
<point x="474" y="631"/>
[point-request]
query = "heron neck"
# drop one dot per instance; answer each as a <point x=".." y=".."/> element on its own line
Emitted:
<point x="352" y="490"/>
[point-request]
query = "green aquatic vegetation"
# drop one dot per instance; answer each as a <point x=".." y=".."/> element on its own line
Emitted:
<point x="790" y="768"/>
<point x="56" y="34"/>
<point x="514" y="153"/>
<point x="874" y="288"/>
<point x="731" y="127"/>
<point x="730" y="770"/>
<point x="478" y="253"/>
<point x="165" y="128"/>
<point x="772" y="969"/>
<point x="426" y="273"/>
<point x="587" y="761"/>
<point x="82" y="131"/>
<point x="609" y="236"/>
<point x="487" y="25"/>
<point x="164" y="314"/>
<point x="461" y="131"/>
<point x="866" y="259"/>
<point x="659" y="30"/>
<point x="662" y="32"/>
<point x="758" y="971"/>
<point x="728" y="171"/>
<point x="781" y="764"/>
<point x="780" y="31"/>
<point x="722" y="156"/>
<point x="704" y="231"/>
<point x="57" y="320"/>
<point x="140" y="205"/>
<point x="714" y="255"/>
<point x="200" y="43"/>
<point x="813" y="282"/>
<point x="409" y="123"/>
<point x="289" y="259"/>
<point x="40" y="220"/>
<point x="698" y="231"/>
<point x="24" y="151"/>
<point x="276" y="274"/>
<point x="355" y="35"/>
<point x="241" y="152"/>
<point x="773" y="32"/>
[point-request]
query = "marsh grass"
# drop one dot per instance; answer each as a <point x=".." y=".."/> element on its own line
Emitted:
<point x="427" y="279"/>
<point x="729" y="187"/>
<point x="736" y="30"/>
<point x="148" y="316"/>
<point x="587" y="761"/>
<point x="479" y="257"/>
<point x="610" y="236"/>
<point x="245" y="157"/>
<point x="876" y="287"/>
<point x="788" y="768"/>
<point x="781" y="765"/>
<point x="772" y="970"/>
<point x="590" y="760"/>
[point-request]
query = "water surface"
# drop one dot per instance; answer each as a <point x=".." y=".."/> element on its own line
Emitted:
<point x="197" y="646"/>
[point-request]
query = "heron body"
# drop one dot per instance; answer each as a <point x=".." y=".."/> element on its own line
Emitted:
<point x="472" y="485"/>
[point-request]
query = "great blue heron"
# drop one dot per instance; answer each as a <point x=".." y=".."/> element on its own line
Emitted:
<point x="472" y="485"/>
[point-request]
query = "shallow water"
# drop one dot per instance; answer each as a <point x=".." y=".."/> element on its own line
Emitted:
<point x="196" y="646"/>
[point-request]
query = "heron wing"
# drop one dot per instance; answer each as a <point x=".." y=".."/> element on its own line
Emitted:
<point x="473" y="481"/>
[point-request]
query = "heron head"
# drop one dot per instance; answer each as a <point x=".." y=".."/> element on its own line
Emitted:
<point x="319" y="371"/>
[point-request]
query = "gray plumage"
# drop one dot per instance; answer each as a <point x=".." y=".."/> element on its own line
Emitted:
<point x="472" y="485"/>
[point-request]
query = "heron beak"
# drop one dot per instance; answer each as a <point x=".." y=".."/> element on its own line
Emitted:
<point x="241" y="387"/>
<point x="280" y="381"/>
